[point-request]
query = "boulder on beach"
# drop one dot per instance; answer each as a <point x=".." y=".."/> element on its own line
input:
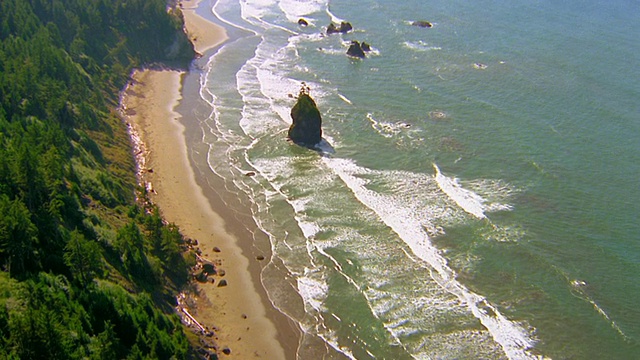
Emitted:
<point x="303" y="22"/>
<point x="344" y="28"/>
<point x="355" y="50"/>
<point x="422" y="24"/>
<point x="306" y="129"/>
<point x="209" y="269"/>
<point x="201" y="277"/>
<point x="365" y="46"/>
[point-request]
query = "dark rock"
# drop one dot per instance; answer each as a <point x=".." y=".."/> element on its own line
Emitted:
<point x="306" y="128"/>
<point x="201" y="277"/>
<point x="250" y="173"/>
<point x="344" y="28"/>
<point x="209" y="269"/>
<point x="226" y="351"/>
<point x="207" y="343"/>
<point x="222" y="273"/>
<point x="260" y="257"/>
<point x="303" y="22"/>
<point x="207" y="354"/>
<point x="365" y="46"/>
<point x="355" y="50"/>
<point x="216" y="249"/>
<point x="422" y="24"/>
<point x="222" y="283"/>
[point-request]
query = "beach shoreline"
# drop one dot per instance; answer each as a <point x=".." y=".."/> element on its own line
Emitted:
<point x="202" y="33"/>
<point x="237" y="315"/>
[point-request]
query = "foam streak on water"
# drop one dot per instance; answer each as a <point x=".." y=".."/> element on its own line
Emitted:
<point x="468" y="200"/>
<point x="514" y="340"/>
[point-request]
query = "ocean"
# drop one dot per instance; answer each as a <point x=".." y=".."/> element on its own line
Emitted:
<point x="477" y="191"/>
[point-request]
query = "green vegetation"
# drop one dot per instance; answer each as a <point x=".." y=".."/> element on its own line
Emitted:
<point x="85" y="272"/>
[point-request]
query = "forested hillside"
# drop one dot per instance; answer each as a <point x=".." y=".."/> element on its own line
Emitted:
<point x="85" y="271"/>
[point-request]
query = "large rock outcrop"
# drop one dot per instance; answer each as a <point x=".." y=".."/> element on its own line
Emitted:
<point x="306" y="128"/>
<point x="356" y="50"/>
<point x="344" y="28"/>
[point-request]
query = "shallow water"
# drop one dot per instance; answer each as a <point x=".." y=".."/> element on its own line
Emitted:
<point x="477" y="192"/>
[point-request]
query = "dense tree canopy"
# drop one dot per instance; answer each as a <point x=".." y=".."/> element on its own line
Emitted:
<point x="83" y="268"/>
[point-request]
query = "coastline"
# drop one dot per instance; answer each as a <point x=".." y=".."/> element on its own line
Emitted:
<point x="203" y="34"/>
<point x="243" y="321"/>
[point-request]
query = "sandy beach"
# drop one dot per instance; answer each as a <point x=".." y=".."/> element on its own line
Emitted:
<point x="203" y="34"/>
<point x="237" y="311"/>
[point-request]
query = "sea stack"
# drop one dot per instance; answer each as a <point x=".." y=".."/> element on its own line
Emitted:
<point x="306" y="129"/>
<point x="344" y="28"/>
<point x="356" y="50"/>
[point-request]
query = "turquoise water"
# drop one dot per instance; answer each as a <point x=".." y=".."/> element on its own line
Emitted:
<point x="477" y="193"/>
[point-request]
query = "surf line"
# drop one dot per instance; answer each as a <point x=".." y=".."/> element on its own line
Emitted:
<point x="513" y="339"/>
<point x="469" y="201"/>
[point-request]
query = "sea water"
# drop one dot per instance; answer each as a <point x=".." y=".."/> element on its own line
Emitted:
<point x="476" y="194"/>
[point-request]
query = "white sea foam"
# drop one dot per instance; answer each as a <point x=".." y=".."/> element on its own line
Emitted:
<point x="296" y="9"/>
<point x="313" y="289"/>
<point x="420" y="46"/>
<point x="256" y="8"/>
<point x="222" y="8"/>
<point x="514" y="340"/>
<point x="333" y="17"/>
<point x="466" y="199"/>
<point x="387" y="129"/>
<point x="344" y="98"/>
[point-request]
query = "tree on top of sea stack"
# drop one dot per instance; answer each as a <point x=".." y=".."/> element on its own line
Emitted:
<point x="306" y="128"/>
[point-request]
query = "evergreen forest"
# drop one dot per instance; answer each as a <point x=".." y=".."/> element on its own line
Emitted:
<point x="86" y="269"/>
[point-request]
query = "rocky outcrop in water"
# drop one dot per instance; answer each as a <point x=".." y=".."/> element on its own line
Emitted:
<point x="356" y="50"/>
<point x="306" y="129"/>
<point x="344" y="28"/>
<point x="422" y="24"/>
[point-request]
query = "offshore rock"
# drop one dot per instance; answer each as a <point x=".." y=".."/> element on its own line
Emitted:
<point x="306" y="128"/>
<point x="356" y="50"/>
<point x="422" y="23"/>
<point x="344" y="28"/>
